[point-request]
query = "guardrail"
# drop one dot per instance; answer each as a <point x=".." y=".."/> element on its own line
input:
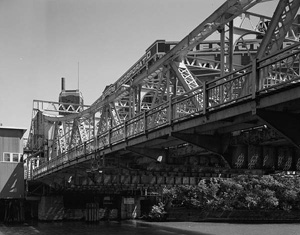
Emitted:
<point x="262" y="76"/>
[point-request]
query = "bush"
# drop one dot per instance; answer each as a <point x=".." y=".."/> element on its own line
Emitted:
<point x="158" y="213"/>
<point x="242" y="192"/>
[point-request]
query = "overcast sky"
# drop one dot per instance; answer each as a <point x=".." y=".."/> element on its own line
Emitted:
<point x="43" y="40"/>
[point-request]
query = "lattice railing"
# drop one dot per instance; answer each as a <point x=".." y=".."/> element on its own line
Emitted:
<point x="230" y="88"/>
<point x="278" y="70"/>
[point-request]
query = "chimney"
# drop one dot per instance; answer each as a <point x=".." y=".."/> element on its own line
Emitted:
<point x="63" y="84"/>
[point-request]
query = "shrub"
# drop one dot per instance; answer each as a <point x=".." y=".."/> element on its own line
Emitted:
<point x="242" y="192"/>
<point x="158" y="212"/>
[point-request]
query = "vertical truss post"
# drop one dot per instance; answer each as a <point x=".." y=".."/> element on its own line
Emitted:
<point x="175" y="81"/>
<point x="109" y="136"/>
<point x="255" y="79"/>
<point x="89" y="120"/>
<point x="145" y="121"/>
<point x="222" y="59"/>
<point x="134" y="105"/>
<point x="82" y="131"/>
<point x="61" y="138"/>
<point x="95" y="132"/>
<point x="125" y="130"/>
<point x="170" y="111"/>
<point x="54" y="143"/>
<point x="107" y="123"/>
<point x="170" y="116"/>
<point x="100" y="123"/>
<point x="139" y="98"/>
<point x="175" y="85"/>
<point x="155" y="97"/>
<point x="231" y="49"/>
<point x="72" y="142"/>
<point x="131" y="102"/>
<point x="114" y="114"/>
<point x="205" y="97"/>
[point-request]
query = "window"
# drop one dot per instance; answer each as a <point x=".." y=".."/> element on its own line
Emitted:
<point x="6" y="157"/>
<point x="15" y="157"/>
<point x="11" y="157"/>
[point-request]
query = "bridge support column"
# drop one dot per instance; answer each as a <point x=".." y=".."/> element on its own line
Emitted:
<point x="51" y="208"/>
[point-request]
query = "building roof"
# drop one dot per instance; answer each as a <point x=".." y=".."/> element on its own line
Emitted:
<point x="14" y="128"/>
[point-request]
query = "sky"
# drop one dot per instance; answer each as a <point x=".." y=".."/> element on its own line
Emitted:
<point x="44" y="40"/>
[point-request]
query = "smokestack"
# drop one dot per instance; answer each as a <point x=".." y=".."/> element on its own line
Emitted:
<point x="63" y="84"/>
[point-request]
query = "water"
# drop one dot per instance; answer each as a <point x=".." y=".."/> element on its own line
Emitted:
<point x="145" y="228"/>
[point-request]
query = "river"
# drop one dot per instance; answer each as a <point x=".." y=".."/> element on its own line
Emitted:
<point x="146" y="228"/>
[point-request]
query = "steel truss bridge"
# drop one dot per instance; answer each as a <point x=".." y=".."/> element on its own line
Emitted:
<point x="186" y="110"/>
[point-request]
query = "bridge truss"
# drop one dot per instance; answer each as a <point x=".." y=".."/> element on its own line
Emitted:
<point x="175" y="81"/>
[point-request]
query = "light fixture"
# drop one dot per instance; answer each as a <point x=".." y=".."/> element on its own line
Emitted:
<point x="159" y="159"/>
<point x="70" y="179"/>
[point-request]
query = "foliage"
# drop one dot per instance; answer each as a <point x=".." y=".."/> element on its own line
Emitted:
<point x="158" y="212"/>
<point x="268" y="192"/>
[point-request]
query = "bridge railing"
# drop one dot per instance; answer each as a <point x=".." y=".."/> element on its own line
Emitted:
<point x="266" y="75"/>
<point x="183" y="106"/>
<point x="279" y="69"/>
<point x="232" y="87"/>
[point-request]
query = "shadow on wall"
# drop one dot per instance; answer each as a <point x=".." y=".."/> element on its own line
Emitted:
<point x="12" y="177"/>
